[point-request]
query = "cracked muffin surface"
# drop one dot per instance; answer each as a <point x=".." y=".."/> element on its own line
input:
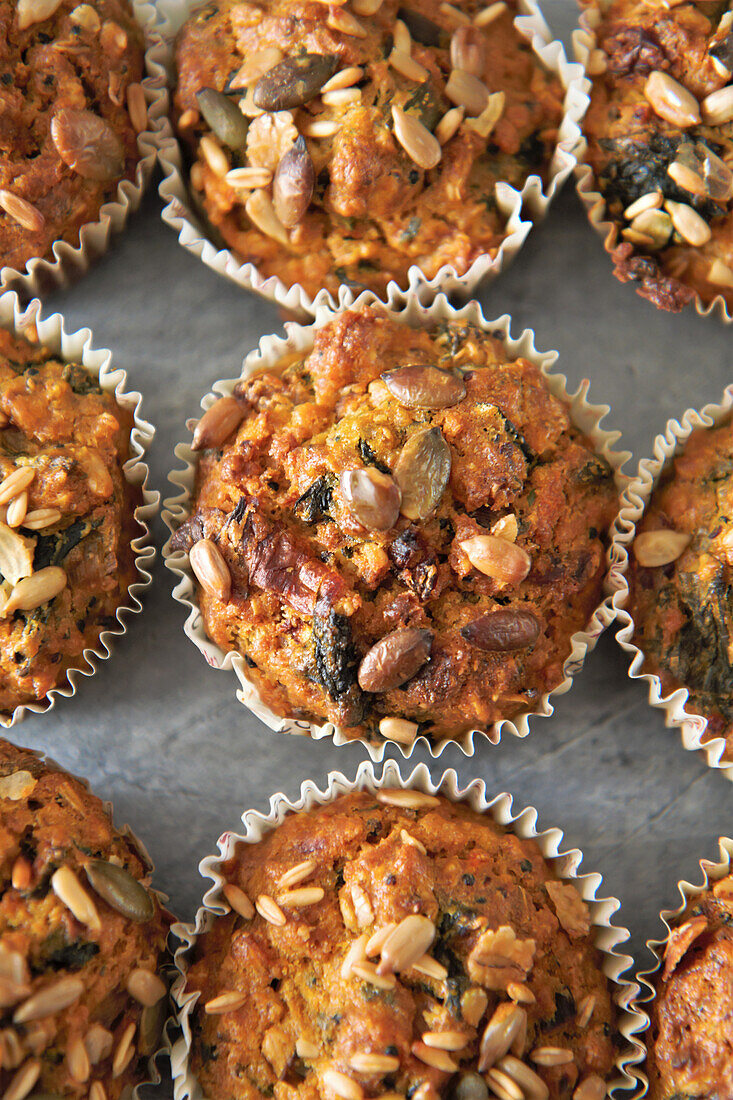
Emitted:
<point x="397" y="943"/>
<point x="337" y="144"/>
<point x="690" y="1036"/>
<point x="680" y="577"/>
<point x="660" y="143"/>
<point x="81" y="940"/>
<point x="69" y="81"/>
<point x="66" y="517"/>
<point x="398" y="523"/>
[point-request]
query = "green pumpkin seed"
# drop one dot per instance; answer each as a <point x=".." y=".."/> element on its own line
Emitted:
<point x="223" y="117"/>
<point x="294" y="82"/>
<point x="119" y="889"/>
<point x="422" y="472"/>
<point x="150" y="1031"/>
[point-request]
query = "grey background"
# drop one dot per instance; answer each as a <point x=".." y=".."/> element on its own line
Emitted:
<point x="162" y="734"/>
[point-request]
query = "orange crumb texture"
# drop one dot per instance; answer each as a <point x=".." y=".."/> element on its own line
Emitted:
<point x="68" y="1021"/>
<point x="689" y="1043"/>
<point x="316" y="584"/>
<point x="509" y="976"/>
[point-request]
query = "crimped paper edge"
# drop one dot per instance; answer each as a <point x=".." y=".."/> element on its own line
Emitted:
<point x="180" y="216"/>
<point x="522" y="822"/>
<point x="78" y="347"/>
<point x="634" y="500"/>
<point x="271" y="348"/>
<point x="70" y="262"/>
<point x="712" y="872"/>
<point x="584" y="42"/>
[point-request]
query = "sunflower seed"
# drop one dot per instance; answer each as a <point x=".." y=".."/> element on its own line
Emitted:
<point x="424" y="387"/>
<point x="125" y="1051"/>
<point x="301" y="897"/>
<point x="431" y="968"/>
<point x="686" y="178"/>
<point x="445" y="1040"/>
<point x="270" y="911"/>
<point x="468" y="50"/>
<point x="145" y="986"/>
<point x="15" y="483"/>
<point x="688" y="223"/>
<point x="34" y="11"/>
<point x="294" y="81"/>
<point x="12" y="991"/>
<point x="406" y="799"/>
<point x="474" y="1003"/>
<point x="297" y="874"/>
<point x="422" y="472"/>
<point x="506" y="1024"/>
<point x="455" y="13"/>
<point x="306" y="1050"/>
<point x="376" y="941"/>
<point x="217" y="423"/>
<point x="137" y="108"/>
<point x="717" y="108"/>
<point x="551" y="1056"/>
<point x="533" y="1087"/>
<point x="187" y="121"/>
<point x="470" y="1086"/>
<point x="407" y="66"/>
<point x="417" y="141"/>
<point x="341" y="1085"/>
<point x="322" y="128"/>
<point x="408" y="942"/>
<point x="21" y="874"/>
<point x="344" y="78"/>
<point x="372" y="497"/>
<point x="502" y="631"/>
<point x="655" y="225"/>
<point x="487" y="15"/>
<point x="97" y="1091"/>
<point x="503" y="561"/>
<point x="24" y="1080"/>
<point x="466" y="90"/>
<point x="720" y="274"/>
<point x="77" y="1060"/>
<point x="22" y="211"/>
<point x="256" y="65"/>
<point x="120" y="890"/>
<point x="437" y="1059"/>
<point x="69" y="890"/>
<point x="366" y="1062"/>
<point x="17" y="510"/>
<point x="223" y="117"/>
<point x="49" y="1000"/>
<point x="651" y="201"/>
<point x="592" y="1088"/>
<point x="31" y="592"/>
<point x="362" y="906"/>
<point x="503" y="1086"/>
<point x="394" y="659"/>
<point x="366" y="7"/>
<point x="487" y="120"/>
<point x="671" y="101"/>
<point x="210" y="569"/>
<point x="41" y="518"/>
<point x="293" y="184"/>
<point x="11" y="1048"/>
<point x="367" y="971"/>
<point x="341" y="98"/>
<point x="262" y="214"/>
<point x="344" y="22"/>
<point x="655" y="548"/>
<point x="398" y="729"/>
<point x="449" y="124"/>
<point x="152" y="1019"/>
<point x="355" y="954"/>
<point x="87" y="144"/>
<point x="520" y="993"/>
<point x="225" y="1002"/>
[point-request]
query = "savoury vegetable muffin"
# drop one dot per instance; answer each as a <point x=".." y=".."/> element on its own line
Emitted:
<point x="398" y="945"/>
<point x="690" y="1037"/>
<point x="66" y="517"/>
<point x="660" y="143"/>
<point x="81" y="940"/>
<point x="681" y="580"/>
<point x="71" y="105"/>
<point x="400" y="522"/>
<point x="345" y="143"/>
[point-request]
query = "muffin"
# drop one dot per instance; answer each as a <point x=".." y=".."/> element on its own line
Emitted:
<point x="66" y="518"/>
<point x="345" y="144"/>
<point x="397" y="528"/>
<point x="81" y="940"/>
<point x="680" y="579"/>
<point x="71" y="105"/>
<point x="689" y="1038"/>
<point x="397" y="944"/>
<point x="660" y="146"/>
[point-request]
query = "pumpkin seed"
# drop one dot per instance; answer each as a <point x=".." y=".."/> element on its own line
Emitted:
<point x="223" y="117"/>
<point x="293" y="183"/>
<point x="294" y="81"/>
<point x="424" y="387"/>
<point x="422" y="29"/>
<point x="120" y="890"/>
<point x="395" y="659"/>
<point x="373" y="497"/>
<point x="502" y="631"/>
<point x="87" y="144"/>
<point x="152" y="1019"/>
<point x="422" y="472"/>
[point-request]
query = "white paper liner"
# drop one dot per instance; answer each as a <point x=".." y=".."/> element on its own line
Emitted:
<point x="77" y="347"/>
<point x="584" y="42"/>
<point x="407" y="309"/>
<point x="634" y="500"/>
<point x="522" y="822"/>
<point x="71" y="261"/>
<point x="180" y="213"/>
<point x="712" y="872"/>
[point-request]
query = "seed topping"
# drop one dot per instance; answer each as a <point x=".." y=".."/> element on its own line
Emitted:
<point x="655" y="548"/>
<point x="120" y="890"/>
<point x="22" y="211"/>
<point x="551" y="1056"/>
<point x="49" y="1000"/>
<point x="301" y="897"/>
<point x="407" y="943"/>
<point x="87" y="144"/>
<point x="407" y="799"/>
<point x="417" y="141"/>
<point x="225" y="1002"/>
<point x="145" y="986"/>
<point x="216" y="425"/>
<point x="374" y="1063"/>
<point x="270" y="911"/>
<point x="422" y="472"/>
<point x="671" y="100"/>
<point x="223" y="117"/>
<point x="372" y="496"/>
<point x="294" y="81"/>
<point x="293" y="184"/>
<point x="503" y="631"/>
<point x="424" y="387"/>
<point x="239" y="901"/>
<point x="210" y="569"/>
<point x="503" y="561"/>
<point x="394" y="659"/>
<point x="398" y="729"/>
<point x="69" y="890"/>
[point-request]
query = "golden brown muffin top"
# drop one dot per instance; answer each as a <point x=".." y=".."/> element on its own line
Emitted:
<point x="66" y="136"/>
<point x="689" y="1048"/>
<point x="660" y="130"/>
<point x="401" y="945"/>
<point x="66" y="517"/>
<point x="681" y="579"/>
<point x="81" y="939"/>
<point x="405" y="523"/>
<point x="348" y="142"/>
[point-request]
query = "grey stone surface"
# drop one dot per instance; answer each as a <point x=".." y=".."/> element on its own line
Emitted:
<point x="163" y="735"/>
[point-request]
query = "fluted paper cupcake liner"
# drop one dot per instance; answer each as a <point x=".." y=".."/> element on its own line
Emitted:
<point x="521" y="822"/>
<point x="410" y="310"/>
<point x="534" y="197"/>
<point x="712" y="872"/>
<point x="584" y="43"/>
<point x="70" y="261"/>
<point x="634" y="501"/>
<point x="77" y="347"/>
